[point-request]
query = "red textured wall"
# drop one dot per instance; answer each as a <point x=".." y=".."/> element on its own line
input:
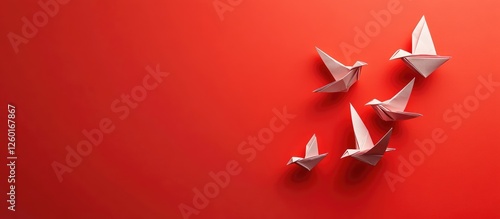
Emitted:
<point x="159" y="109"/>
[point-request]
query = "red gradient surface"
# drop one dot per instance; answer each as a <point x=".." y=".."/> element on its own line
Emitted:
<point x="226" y="78"/>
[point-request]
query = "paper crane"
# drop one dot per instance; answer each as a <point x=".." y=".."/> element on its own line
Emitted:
<point x="365" y="150"/>
<point x="393" y="109"/>
<point x="312" y="158"/>
<point x="345" y="76"/>
<point x="423" y="57"/>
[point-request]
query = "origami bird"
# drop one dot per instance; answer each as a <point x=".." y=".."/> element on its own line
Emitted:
<point x="312" y="158"/>
<point x="393" y="109"/>
<point x="365" y="150"/>
<point x="423" y="58"/>
<point x="345" y="76"/>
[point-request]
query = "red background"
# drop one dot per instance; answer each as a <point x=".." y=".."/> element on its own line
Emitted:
<point x="226" y="77"/>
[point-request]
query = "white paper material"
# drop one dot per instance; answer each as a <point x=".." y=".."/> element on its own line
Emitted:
<point x="393" y="109"/>
<point x="423" y="58"/>
<point x="312" y="157"/>
<point x="365" y="150"/>
<point x="345" y="76"/>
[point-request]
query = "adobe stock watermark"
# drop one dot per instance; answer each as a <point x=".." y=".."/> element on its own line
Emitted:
<point x="30" y="26"/>
<point x="454" y="118"/>
<point x="121" y="107"/>
<point x="364" y="35"/>
<point x="249" y="149"/>
<point x="223" y="6"/>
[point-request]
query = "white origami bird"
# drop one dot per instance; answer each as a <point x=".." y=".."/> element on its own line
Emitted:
<point x="345" y="76"/>
<point x="393" y="109"/>
<point x="423" y="57"/>
<point x="312" y="158"/>
<point x="365" y="150"/>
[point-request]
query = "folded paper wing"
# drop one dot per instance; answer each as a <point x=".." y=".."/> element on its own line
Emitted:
<point x="421" y="39"/>
<point x="423" y="57"/>
<point x="393" y="109"/>
<point x="365" y="150"/>
<point x="312" y="157"/>
<point x="345" y="76"/>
